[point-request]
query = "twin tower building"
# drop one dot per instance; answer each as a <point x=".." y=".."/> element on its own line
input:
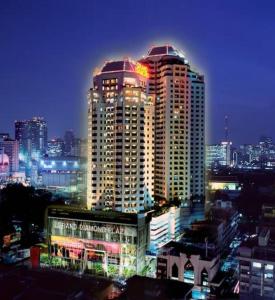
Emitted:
<point x="146" y="133"/>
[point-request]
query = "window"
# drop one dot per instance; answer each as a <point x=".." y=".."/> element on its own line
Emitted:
<point x="269" y="267"/>
<point x="257" y="265"/>
<point x="175" y="271"/>
<point x="188" y="275"/>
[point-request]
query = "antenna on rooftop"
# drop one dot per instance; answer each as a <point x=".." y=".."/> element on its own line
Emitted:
<point x="226" y="128"/>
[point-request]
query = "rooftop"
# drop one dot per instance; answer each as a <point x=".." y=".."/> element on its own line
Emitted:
<point x="87" y="215"/>
<point x="176" y="248"/>
<point x="164" y="50"/>
<point x="252" y="249"/>
<point x="118" y="66"/>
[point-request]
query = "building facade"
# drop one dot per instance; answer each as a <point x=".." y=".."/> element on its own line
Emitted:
<point x="120" y="139"/>
<point x="165" y="227"/>
<point x="4" y="165"/>
<point x="218" y="155"/>
<point x="69" y="141"/>
<point x="55" y="147"/>
<point x="102" y="243"/>
<point x="32" y="136"/>
<point x="179" y="125"/>
<point x="187" y="264"/>
<point x="11" y="149"/>
<point x="65" y="176"/>
<point x="256" y="267"/>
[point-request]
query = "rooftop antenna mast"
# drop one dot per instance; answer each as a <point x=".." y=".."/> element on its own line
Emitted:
<point x="226" y="129"/>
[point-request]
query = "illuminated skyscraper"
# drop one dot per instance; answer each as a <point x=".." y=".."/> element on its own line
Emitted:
<point x="32" y="136"/>
<point x="120" y="139"/>
<point x="179" y="125"/>
<point x="21" y="135"/>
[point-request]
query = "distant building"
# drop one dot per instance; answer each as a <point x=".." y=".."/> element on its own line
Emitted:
<point x="4" y="164"/>
<point x="257" y="265"/>
<point x="64" y="175"/>
<point x="32" y="136"/>
<point x="259" y="156"/>
<point x="69" y="141"/>
<point x="11" y="148"/>
<point x="218" y="155"/>
<point x="55" y="148"/>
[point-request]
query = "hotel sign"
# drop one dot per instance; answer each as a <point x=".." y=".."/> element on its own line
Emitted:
<point x="85" y="226"/>
<point x="141" y="70"/>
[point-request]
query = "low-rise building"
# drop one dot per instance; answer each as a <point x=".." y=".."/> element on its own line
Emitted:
<point x="192" y="265"/>
<point x="216" y="231"/>
<point x="169" y="223"/>
<point x="107" y="243"/>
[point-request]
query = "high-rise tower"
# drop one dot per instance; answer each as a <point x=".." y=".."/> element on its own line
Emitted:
<point x="120" y="139"/>
<point x="179" y="96"/>
<point x="32" y="136"/>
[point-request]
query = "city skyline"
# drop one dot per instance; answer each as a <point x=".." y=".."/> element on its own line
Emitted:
<point x="137" y="152"/>
<point x="51" y="81"/>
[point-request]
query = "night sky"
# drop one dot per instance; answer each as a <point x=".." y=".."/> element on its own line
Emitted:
<point x="48" y="50"/>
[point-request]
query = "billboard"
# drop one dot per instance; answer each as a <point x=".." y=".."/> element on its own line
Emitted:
<point x="87" y="230"/>
<point x="75" y="248"/>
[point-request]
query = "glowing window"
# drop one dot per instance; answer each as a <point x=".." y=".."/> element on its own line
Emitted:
<point x="257" y="265"/>
<point x="269" y="267"/>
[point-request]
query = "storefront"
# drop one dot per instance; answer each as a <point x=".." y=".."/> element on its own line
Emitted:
<point x="104" y="243"/>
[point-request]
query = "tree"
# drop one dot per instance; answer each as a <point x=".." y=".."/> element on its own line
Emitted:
<point x="25" y="205"/>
